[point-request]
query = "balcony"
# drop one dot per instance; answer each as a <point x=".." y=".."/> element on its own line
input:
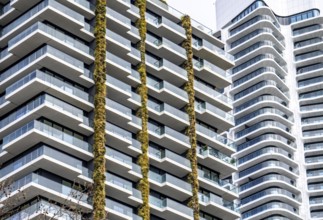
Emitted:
<point x="313" y="148"/>
<point x="169" y="161"/>
<point x="34" y="185"/>
<point x="38" y="81"/>
<point x="206" y="50"/>
<point x="218" y="207"/>
<point x="309" y="84"/>
<point x="50" y="58"/>
<point x="268" y="166"/>
<point x="215" y="140"/>
<point x="49" y="10"/>
<point x="46" y="106"/>
<point x="120" y="211"/>
<point x="117" y="67"/>
<point x="209" y="156"/>
<point x="265" y="154"/>
<point x="264" y="127"/>
<point x="312" y="123"/>
<point x="168" y="115"/>
<point x="165" y="27"/>
<point x="312" y="97"/>
<point x="48" y="159"/>
<point x="214" y="115"/>
<point x="117" y="113"/>
<point x="223" y="188"/>
<point x="212" y="96"/>
<point x="211" y="73"/>
<point x="268" y="181"/>
<point x="117" y="22"/>
<point x="166" y="49"/>
<point x="39" y="34"/>
<point x="265" y="140"/>
<point x="308" y="58"/>
<point x="36" y="132"/>
<point x="270" y="209"/>
<point x="313" y="136"/>
<point x="118" y="88"/>
<point x="268" y="195"/>
<point x="169" y="209"/>
<point x="43" y="209"/>
<point x="166" y="70"/>
<point x="170" y="186"/>
<point x="167" y="92"/>
<point x="313" y="70"/>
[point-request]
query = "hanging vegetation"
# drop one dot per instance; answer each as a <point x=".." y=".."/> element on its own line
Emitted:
<point x="143" y="161"/>
<point x="191" y="130"/>
<point x="99" y="212"/>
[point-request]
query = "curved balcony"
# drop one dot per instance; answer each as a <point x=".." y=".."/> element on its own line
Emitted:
<point x="316" y="201"/>
<point x="311" y="97"/>
<point x="263" y="101"/>
<point x="313" y="136"/>
<point x="309" y="84"/>
<point x="312" y="123"/>
<point x="313" y="148"/>
<point x="313" y="70"/>
<point x="270" y="209"/>
<point x="268" y="195"/>
<point x="311" y="110"/>
<point x="266" y="86"/>
<point x="268" y="166"/>
<point x="265" y="140"/>
<point x="315" y="189"/>
<point x="314" y="162"/>
<point x="307" y="32"/>
<point x="261" y="114"/>
<point x="308" y="58"/>
<point x="266" y="181"/>
<point x="307" y="45"/>
<point x="274" y="125"/>
<point x="251" y="22"/>
<point x="257" y="35"/>
<point x="254" y="47"/>
<point x="270" y="152"/>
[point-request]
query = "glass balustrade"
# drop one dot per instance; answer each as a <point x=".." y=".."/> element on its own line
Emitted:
<point x="307" y="29"/>
<point x="164" y="153"/>
<point x="313" y="173"/>
<point x="36" y="153"/>
<point x="3" y="53"/>
<point x="212" y="92"/>
<point x="257" y="100"/>
<point x="267" y="192"/>
<point x="116" y="15"/>
<point x="53" y="32"/>
<point x="217" y="137"/>
<point x="309" y="95"/>
<point x="310" y="68"/>
<point x="266" y="137"/>
<point x="118" y="131"/>
<point x="316" y="159"/>
<point x="268" y="206"/>
<point x="226" y="184"/>
<point x="316" y="200"/>
<point x="119" y="84"/>
<point x="313" y="146"/>
<point x="255" y="47"/>
<point x="266" y="164"/>
<point x="263" y="179"/>
<point x="33" y="11"/>
<point x="252" y="21"/>
<point x="262" y="151"/>
<point x="307" y="42"/>
<point x="204" y="43"/>
<point x="215" y="110"/>
<point x="310" y="81"/>
<point x="267" y="124"/>
<point x="167" y="178"/>
<point x="313" y="120"/>
<point x="209" y="151"/>
<point x="48" y="130"/>
<point x="212" y="198"/>
<point x="262" y="111"/>
<point x="5" y="8"/>
<point x="211" y="67"/>
<point x="318" y="186"/>
<point x="53" y="81"/>
<point x="121" y="208"/>
<point x="308" y="55"/>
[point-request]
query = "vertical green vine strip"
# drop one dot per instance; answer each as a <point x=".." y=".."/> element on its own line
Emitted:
<point x="191" y="130"/>
<point x="144" y="210"/>
<point x="99" y="111"/>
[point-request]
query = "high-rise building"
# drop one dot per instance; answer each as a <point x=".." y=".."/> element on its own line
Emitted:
<point x="277" y="88"/>
<point x="46" y="112"/>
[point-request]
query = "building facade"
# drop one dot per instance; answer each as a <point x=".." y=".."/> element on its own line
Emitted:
<point x="277" y="95"/>
<point x="46" y="112"/>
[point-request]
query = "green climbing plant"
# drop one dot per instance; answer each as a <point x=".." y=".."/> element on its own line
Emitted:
<point x="99" y="122"/>
<point x="191" y="130"/>
<point x="143" y="160"/>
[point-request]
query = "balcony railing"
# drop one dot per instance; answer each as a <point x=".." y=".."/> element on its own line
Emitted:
<point x="163" y="178"/>
<point x="313" y="146"/>
<point x="313" y="67"/>
<point x="306" y="29"/>
<point x="263" y="111"/>
<point x="268" y="177"/>
<point x="210" y="197"/>
<point x="314" y="133"/>
<point x="268" y="206"/>
<point x="259" y="99"/>
<point x="263" y="124"/>
<point x="164" y="153"/>
<point x="308" y="55"/>
<point x="209" y="151"/>
<point x="207" y="65"/>
<point x="204" y="43"/>
<point x="206" y="106"/>
<point x="266" y="150"/>
<point x="307" y="42"/>
<point x="266" y="137"/>
<point x="267" y="192"/>
<point x="212" y="92"/>
<point x="226" y="184"/>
